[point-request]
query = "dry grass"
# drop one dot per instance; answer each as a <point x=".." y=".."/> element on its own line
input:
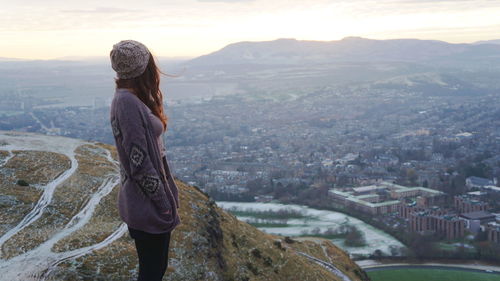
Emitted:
<point x="243" y="253"/>
<point x="36" y="168"/>
<point x="68" y="199"/>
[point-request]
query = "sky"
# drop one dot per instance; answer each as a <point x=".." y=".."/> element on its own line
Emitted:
<point x="48" y="29"/>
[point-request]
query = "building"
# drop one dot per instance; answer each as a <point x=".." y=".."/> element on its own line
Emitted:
<point x="493" y="232"/>
<point x="451" y="226"/>
<point x="467" y="204"/>
<point x="421" y="222"/>
<point x="474" y="220"/>
<point x="414" y="192"/>
<point x="477" y="194"/>
<point x="478" y="182"/>
<point x="491" y="188"/>
<point x="482" y="216"/>
<point x="380" y="198"/>
<point x="406" y="209"/>
<point x="367" y="189"/>
<point x="372" y="198"/>
<point x="367" y="203"/>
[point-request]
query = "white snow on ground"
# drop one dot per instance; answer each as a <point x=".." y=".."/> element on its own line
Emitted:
<point x="330" y="267"/>
<point x="37" y="263"/>
<point x="43" y="202"/>
<point x="32" y="141"/>
<point x="6" y="159"/>
<point x="375" y="238"/>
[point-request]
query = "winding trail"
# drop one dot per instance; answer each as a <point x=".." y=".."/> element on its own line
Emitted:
<point x="330" y="267"/>
<point x="38" y="263"/>
<point x="43" y="202"/>
<point x="318" y="241"/>
<point x="7" y="158"/>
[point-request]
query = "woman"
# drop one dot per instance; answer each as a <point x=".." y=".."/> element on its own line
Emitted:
<point x="148" y="197"/>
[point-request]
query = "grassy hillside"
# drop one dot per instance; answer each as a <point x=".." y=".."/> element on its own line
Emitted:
<point x="209" y="244"/>
<point x="212" y="244"/>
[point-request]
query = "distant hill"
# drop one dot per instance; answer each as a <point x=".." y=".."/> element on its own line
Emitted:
<point x="59" y="221"/>
<point x="10" y="59"/>
<point x="283" y="67"/>
<point x="497" y="41"/>
<point x="350" y="49"/>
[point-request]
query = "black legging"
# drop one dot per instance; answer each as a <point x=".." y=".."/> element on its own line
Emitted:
<point x="152" y="250"/>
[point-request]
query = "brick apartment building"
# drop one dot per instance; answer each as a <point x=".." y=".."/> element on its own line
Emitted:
<point x="451" y="226"/>
<point x="382" y="198"/>
<point x="468" y="204"/>
<point x="493" y="231"/>
<point x="437" y="221"/>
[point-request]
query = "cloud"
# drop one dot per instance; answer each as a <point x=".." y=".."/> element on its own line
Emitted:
<point x="226" y="1"/>
<point x="99" y="10"/>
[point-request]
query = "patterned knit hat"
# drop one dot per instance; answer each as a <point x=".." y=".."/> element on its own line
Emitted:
<point x="129" y="58"/>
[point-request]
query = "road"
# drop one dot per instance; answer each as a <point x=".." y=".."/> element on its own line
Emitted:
<point x="370" y="265"/>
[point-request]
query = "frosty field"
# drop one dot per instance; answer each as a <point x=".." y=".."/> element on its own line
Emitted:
<point x="312" y="218"/>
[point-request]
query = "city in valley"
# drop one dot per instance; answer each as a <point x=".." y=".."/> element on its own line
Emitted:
<point x="412" y="149"/>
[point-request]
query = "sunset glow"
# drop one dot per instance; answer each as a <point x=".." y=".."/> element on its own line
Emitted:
<point x="55" y="28"/>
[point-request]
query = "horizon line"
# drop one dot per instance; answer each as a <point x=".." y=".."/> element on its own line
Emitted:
<point x="181" y="57"/>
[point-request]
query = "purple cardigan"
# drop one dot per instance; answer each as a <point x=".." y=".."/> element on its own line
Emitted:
<point x="148" y="198"/>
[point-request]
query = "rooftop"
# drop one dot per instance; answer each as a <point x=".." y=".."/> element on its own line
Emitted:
<point x="368" y="188"/>
<point x="479" y="181"/>
<point x="478" y="215"/>
<point x="367" y="196"/>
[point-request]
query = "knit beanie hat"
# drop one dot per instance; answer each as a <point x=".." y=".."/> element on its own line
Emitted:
<point x="129" y="58"/>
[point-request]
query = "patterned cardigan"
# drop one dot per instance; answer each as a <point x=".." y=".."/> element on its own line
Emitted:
<point x="148" y="198"/>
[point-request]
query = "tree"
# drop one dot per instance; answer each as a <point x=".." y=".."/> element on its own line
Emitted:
<point x="377" y="253"/>
<point x="394" y="250"/>
<point x="354" y="237"/>
<point x="412" y="177"/>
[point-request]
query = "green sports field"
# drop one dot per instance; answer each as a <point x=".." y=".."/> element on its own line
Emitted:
<point x="430" y="275"/>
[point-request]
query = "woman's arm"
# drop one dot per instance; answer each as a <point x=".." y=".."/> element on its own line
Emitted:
<point x="135" y="144"/>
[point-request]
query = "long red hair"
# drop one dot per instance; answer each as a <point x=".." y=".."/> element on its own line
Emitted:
<point x="147" y="88"/>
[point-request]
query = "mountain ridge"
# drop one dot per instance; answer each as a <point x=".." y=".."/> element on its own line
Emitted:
<point x="494" y="41"/>
<point x="291" y="51"/>
<point x="279" y="42"/>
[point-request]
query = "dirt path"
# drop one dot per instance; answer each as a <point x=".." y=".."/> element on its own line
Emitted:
<point x="37" y="264"/>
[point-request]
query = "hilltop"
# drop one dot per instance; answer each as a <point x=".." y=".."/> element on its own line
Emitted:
<point x="60" y="222"/>
<point x="288" y="52"/>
